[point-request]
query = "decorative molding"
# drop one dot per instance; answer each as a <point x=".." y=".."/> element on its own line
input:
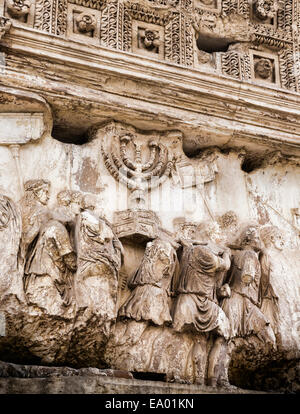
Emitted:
<point x="119" y="24"/>
<point x="264" y="67"/>
<point x="5" y="25"/>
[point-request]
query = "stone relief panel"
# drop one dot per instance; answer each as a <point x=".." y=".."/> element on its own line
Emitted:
<point x="144" y="164"/>
<point x="133" y="292"/>
<point x="83" y="21"/>
<point x="264" y="67"/>
<point x="148" y="39"/>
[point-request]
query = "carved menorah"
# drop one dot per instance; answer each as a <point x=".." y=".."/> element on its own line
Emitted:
<point x="137" y="175"/>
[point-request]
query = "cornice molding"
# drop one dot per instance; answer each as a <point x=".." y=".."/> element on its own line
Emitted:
<point x="241" y="109"/>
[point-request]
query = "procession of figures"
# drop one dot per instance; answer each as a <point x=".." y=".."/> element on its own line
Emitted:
<point x="188" y="300"/>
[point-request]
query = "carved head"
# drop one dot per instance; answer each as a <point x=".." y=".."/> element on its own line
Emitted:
<point x="18" y="8"/>
<point x="64" y="198"/>
<point x="263" y="68"/>
<point x="228" y="219"/>
<point x="89" y="202"/>
<point x="250" y="238"/>
<point x="85" y="23"/>
<point x="272" y="236"/>
<point x="203" y="57"/>
<point x="71" y="199"/>
<point x="162" y="257"/>
<point x="38" y="189"/>
<point x="209" y="231"/>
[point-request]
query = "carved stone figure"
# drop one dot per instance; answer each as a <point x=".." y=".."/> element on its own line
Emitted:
<point x="10" y="235"/>
<point x="46" y="250"/>
<point x="270" y="266"/>
<point x="99" y="261"/>
<point x="242" y="303"/>
<point x="46" y="319"/>
<point x="150" y="299"/>
<point x="70" y="203"/>
<point x="34" y="211"/>
<point x="196" y="307"/>
<point x="48" y="268"/>
<point x="243" y="306"/>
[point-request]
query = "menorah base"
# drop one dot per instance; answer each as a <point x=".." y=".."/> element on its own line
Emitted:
<point x="136" y="225"/>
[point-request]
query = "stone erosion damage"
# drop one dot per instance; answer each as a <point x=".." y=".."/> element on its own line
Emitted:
<point x="149" y="196"/>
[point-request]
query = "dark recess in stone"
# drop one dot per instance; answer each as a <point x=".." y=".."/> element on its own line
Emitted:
<point x="149" y="376"/>
<point x="69" y="135"/>
<point x="248" y="166"/>
<point x="212" y="44"/>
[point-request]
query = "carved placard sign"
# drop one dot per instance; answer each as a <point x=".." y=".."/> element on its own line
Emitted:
<point x="20" y="128"/>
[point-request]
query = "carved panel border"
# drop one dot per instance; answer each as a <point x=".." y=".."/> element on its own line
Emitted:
<point x="51" y="16"/>
<point x="297" y="44"/>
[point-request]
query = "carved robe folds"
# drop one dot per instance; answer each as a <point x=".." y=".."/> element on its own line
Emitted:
<point x="149" y="300"/>
<point x="242" y="307"/>
<point x="99" y="261"/>
<point x="47" y="268"/>
<point x="196" y="306"/>
<point x="10" y="234"/>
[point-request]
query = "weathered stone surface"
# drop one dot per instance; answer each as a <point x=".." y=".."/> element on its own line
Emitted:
<point x="149" y="190"/>
<point x="45" y="380"/>
<point x="8" y="370"/>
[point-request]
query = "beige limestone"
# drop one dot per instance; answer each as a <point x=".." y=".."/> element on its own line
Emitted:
<point x="131" y="136"/>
